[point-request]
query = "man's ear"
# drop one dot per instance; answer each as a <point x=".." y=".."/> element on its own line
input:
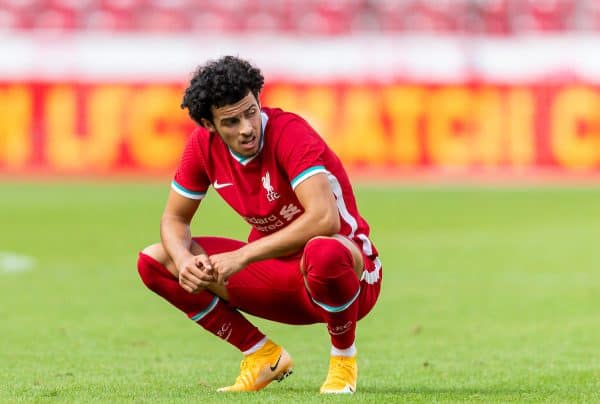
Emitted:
<point x="207" y="124"/>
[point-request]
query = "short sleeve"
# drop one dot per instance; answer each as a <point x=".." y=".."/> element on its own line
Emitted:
<point x="300" y="152"/>
<point x="191" y="180"/>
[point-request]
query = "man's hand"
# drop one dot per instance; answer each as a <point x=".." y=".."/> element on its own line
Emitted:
<point x="226" y="264"/>
<point x="195" y="273"/>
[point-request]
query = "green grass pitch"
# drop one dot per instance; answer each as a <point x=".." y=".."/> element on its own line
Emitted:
<point x="489" y="295"/>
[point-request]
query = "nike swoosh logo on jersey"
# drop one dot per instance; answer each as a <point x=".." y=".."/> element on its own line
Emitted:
<point x="216" y="185"/>
<point x="276" y="364"/>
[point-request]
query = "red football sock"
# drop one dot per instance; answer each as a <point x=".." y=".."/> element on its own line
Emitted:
<point x="333" y="286"/>
<point x="206" y="309"/>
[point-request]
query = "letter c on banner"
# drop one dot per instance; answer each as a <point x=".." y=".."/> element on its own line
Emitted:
<point x="575" y="112"/>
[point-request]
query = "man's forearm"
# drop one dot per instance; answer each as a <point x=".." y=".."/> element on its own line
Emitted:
<point x="290" y="238"/>
<point x="176" y="238"/>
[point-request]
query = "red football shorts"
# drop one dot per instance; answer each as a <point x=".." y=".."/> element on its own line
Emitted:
<point x="274" y="289"/>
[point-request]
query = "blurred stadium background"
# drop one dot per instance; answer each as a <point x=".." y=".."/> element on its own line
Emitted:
<point x="404" y="86"/>
<point x="490" y="293"/>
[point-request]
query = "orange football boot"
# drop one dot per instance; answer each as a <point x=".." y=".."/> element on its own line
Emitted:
<point x="257" y="370"/>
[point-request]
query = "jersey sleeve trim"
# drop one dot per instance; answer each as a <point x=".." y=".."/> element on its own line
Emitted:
<point x="187" y="193"/>
<point x="309" y="172"/>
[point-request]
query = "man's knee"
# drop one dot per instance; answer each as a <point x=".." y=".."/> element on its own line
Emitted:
<point x="329" y="273"/>
<point x="144" y="268"/>
<point x="326" y="254"/>
<point x="333" y="250"/>
<point x="158" y="253"/>
<point x="153" y="262"/>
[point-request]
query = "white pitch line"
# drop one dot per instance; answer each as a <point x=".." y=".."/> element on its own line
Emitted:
<point x="11" y="263"/>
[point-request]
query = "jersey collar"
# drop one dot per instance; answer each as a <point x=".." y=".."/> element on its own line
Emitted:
<point x="243" y="160"/>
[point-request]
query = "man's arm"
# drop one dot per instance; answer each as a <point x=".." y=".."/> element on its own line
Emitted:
<point x="194" y="270"/>
<point x="320" y="218"/>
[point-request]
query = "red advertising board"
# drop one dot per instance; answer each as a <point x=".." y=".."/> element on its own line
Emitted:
<point x="107" y="128"/>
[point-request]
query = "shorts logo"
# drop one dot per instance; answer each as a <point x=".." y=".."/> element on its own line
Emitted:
<point x="271" y="194"/>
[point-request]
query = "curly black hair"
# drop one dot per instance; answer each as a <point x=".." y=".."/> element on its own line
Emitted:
<point x="218" y="83"/>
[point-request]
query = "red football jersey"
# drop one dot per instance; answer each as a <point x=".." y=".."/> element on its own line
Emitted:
<point x="260" y="188"/>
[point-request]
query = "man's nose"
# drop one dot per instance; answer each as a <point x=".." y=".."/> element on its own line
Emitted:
<point x="245" y="127"/>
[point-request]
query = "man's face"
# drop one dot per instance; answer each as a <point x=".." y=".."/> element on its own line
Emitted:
<point x="238" y="125"/>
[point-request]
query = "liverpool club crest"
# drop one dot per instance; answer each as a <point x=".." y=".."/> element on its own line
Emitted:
<point x="266" y="182"/>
